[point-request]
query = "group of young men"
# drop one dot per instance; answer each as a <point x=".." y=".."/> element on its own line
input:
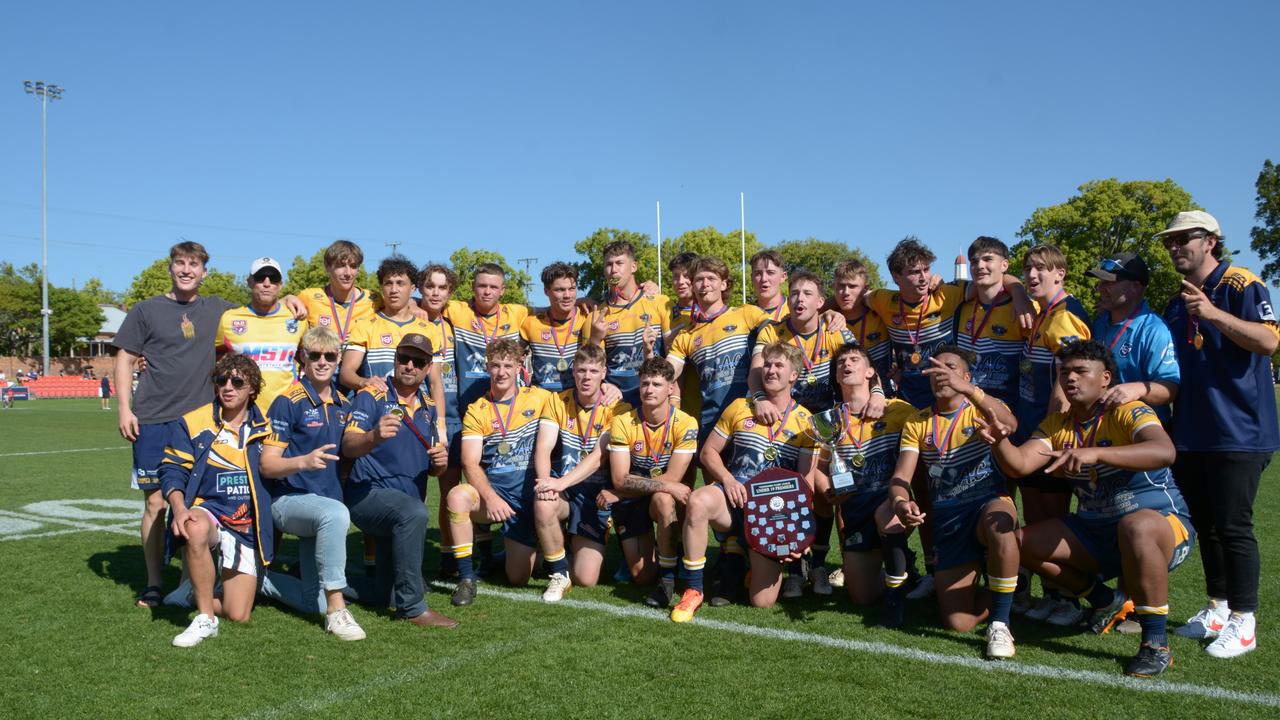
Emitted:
<point x="567" y="423"/>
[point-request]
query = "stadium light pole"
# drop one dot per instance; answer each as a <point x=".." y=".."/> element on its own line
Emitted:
<point x="45" y="92"/>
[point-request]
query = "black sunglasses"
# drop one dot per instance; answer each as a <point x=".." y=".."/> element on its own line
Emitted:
<point x="271" y="275"/>
<point x="412" y="360"/>
<point x="1184" y="238"/>
<point x="315" y="355"/>
<point x="237" y="382"/>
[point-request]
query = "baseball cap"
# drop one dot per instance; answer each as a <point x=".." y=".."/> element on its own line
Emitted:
<point x="1192" y="220"/>
<point x="1125" y="266"/>
<point x="265" y="262"/>
<point x="417" y="341"/>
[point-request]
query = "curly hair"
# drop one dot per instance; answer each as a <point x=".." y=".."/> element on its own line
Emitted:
<point x="244" y="366"/>
<point x="1090" y="350"/>
<point x="907" y="253"/>
<point x="969" y="357"/>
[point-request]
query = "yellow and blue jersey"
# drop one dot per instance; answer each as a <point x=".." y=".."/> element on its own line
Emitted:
<point x="749" y="441"/>
<point x="442" y="345"/>
<point x="552" y="345"/>
<point x="1063" y="323"/>
<point x="813" y="389"/>
<point x="341" y="318"/>
<point x="964" y="474"/>
<point x="690" y="395"/>
<point x="378" y="336"/>
<point x="1232" y="407"/>
<point x="916" y="331"/>
<point x="1106" y="492"/>
<point x="625" y="323"/>
<point x="991" y="331"/>
<point x="510" y="425"/>
<point x="872" y="335"/>
<point x="473" y="333"/>
<point x="876" y="441"/>
<point x="627" y="434"/>
<point x="397" y="463"/>
<point x="300" y="423"/>
<point x="578" y="429"/>
<point x="719" y="351"/>
<point x="269" y="339"/>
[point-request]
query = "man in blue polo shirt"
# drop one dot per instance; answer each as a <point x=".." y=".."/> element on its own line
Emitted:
<point x="392" y="436"/>
<point x="1137" y="337"/>
<point x="1225" y="431"/>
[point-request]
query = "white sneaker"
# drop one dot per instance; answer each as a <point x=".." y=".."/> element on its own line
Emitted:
<point x="923" y="589"/>
<point x="836" y="578"/>
<point x="793" y="586"/>
<point x="181" y="595"/>
<point x="999" y="641"/>
<point x="1042" y="609"/>
<point x="821" y="581"/>
<point x="343" y="625"/>
<point x="199" y="629"/>
<point x="1206" y="623"/>
<point x="1065" y="614"/>
<point x="557" y="586"/>
<point x="1238" y="637"/>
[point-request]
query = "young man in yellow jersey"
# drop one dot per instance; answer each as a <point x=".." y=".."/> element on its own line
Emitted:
<point x="848" y="289"/>
<point x="769" y="284"/>
<point x="371" y="346"/>
<point x="498" y="435"/>
<point x="650" y="448"/>
<point x="264" y="330"/>
<point x="572" y="435"/>
<point x="436" y="284"/>
<point x="553" y="335"/>
<point x="477" y="324"/>
<point x="630" y="323"/>
<point x="755" y="446"/>
<point x="339" y="305"/>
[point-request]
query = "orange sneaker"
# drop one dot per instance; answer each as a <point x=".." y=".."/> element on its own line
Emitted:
<point x="688" y="605"/>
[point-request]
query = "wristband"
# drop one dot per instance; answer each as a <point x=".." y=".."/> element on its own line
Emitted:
<point x="877" y="390"/>
<point x="758" y="395"/>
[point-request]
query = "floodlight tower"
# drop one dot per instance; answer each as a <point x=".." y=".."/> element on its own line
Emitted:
<point x="45" y="92"/>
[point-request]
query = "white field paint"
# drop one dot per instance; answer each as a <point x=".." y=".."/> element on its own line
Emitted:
<point x="68" y="518"/>
<point x="118" y="509"/>
<point x="1160" y="687"/>
<point x="59" y="452"/>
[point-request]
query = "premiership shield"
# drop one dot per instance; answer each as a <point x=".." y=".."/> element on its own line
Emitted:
<point x="778" y="517"/>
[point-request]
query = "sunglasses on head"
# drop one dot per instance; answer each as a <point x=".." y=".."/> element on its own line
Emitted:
<point x="271" y="275"/>
<point x="412" y="360"/>
<point x="315" y="355"/>
<point x="236" y="381"/>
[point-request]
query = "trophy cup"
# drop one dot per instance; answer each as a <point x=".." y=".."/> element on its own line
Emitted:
<point x="826" y="428"/>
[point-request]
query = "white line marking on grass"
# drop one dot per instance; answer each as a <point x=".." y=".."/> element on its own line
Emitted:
<point x="59" y="452"/>
<point x="935" y="658"/>
<point x="77" y="526"/>
<point x="314" y="704"/>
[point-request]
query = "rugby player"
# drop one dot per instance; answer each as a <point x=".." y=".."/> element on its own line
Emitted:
<point x="630" y="323"/>
<point x="987" y="324"/>
<point x="1130" y="519"/>
<point x="339" y="305"/>
<point x="553" y="335"/>
<point x="264" y="330"/>
<point x="768" y="281"/>
<point x="847" y="297"/>
<point x="371" y="347"/>
<point x="436" y="284"/>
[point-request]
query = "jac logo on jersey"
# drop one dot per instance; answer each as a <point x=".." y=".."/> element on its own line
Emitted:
<point x="325" y="320"/>
<point x="239" y="327"/>
<point x="386" y="339"/>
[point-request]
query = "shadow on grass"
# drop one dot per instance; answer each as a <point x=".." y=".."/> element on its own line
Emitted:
<point x="125" y="566"/>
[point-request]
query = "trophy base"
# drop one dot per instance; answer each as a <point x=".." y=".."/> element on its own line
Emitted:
<point x="842" y="483"/>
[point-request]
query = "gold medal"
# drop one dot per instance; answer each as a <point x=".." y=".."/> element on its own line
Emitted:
<point x="504" y="448"/>
<point x="562" y="365"/>
<point x="1025" y="366"/>
<point x="396" y="412"/>
<point x="810" y="379"/>
<point x="915" y="358"/>
<point x="1198" y="341"/>
<point x="445" y="369"/>
<point x="771" y="453"/>
<point x="655" y="471"/>
<point x="858" y="460"/>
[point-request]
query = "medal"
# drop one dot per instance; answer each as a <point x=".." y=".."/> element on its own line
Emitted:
<point x="446" y="369"/>
<point x="655" y="449"/>
<point x="655" y="472"/>
<point x="1198" y="340"/>
<point x="562" y="365"/>
<point x="916" y="358"/>
<point x="913" y="336"/>
<point x="942" y="442"/>
<point x="858" y="460"/>
<point x="1025" y="366"/>
<point x="396" y="412"/>
<point x="935" y="472"/>
<point x="810" y="379"/>
<point x="504" y="447"/>
<point x="810" y="359"/>
<point x="771" y="453"/>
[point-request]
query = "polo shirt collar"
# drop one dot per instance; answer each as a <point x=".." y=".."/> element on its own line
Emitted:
<point x="1215" y="277"/>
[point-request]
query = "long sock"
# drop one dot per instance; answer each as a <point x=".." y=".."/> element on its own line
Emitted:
<point x="795" y="567"/>
<point x="1153" y="621"/>
<point x="447" y="561"/>
<point x="821" y="545"/>
<point x="733" y="565"/>
<point x="894" y="546"/>
<point x="1002" y="589"/>
<point x="693" y="572"/>
<point x="466" y="567"/>
<point x="667" y="567"/>
<point x="558" y="562"/>
<point x="1099" y="595"/>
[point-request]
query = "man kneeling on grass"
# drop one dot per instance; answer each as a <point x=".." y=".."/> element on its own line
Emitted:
<point x="209" y="477"/>
<point x="1131" y="520"/>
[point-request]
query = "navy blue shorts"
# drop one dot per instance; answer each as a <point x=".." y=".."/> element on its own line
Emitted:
<point x="631" y="518"/>
<point x="148" y="452"/>
<point x="519" y="527"/>
<point x="1101" y="539"/>
<point x="455" y="445"/>
<point x="860" y="532"/>
<point x="955" y="535"/>
<point x="586" y="519"/>
<point x="736" y="524"/>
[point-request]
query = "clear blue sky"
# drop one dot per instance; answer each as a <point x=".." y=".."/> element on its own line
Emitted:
<point x="522" y="127"/>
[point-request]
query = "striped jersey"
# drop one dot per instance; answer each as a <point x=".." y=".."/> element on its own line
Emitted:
<point x="473" y="334"/>
<point x="440" y="333"/>
<point x="870" y="332"/>
<point x="719" y="350"/>
<point x="750" y="441"/>
<point x="625" y="322"/>
<point x="676" y="434"/>
<point x="580" y="429"/>
<point x="917" y="330"/>
<point x="992" y="332"/>
<point x="270" y="340"/>
<point x="552" y="345"/>
<point x="378" y="336"/>
<point x="813" y="389"/>
<point x="876" y="441"/>
<point x="324" y="311"/>
<point x="968" y="474"/>
<point x="1064" y="322"/>
<point x="510" y="425"/>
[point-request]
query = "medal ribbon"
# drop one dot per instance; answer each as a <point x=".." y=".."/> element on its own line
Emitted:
<point x="479" y="322"/>
<point x="977" y="329"/>
<point x="617" y="296"/>
<point x="810" y="358"/>
<point x="585" y="436"/>
<point x="407" y="419"/>
<point x="941" y="443"/>
<point x="555" y="335"/>
<point x="497" y="415"/>
<point x="1035" y="329"/>
<point x="666" y="430"/>
<point x="1078" y="430"/>
<point x="782" y="424"/>
<point x="776" y="312"/>
<point x="1124" y="327"/>
<point x="914" y="337"/>
<point x="351" y="307"/>
<point x="848" y="426"/>
<point x="862" y="328"/>
<point x="701" y="317"/>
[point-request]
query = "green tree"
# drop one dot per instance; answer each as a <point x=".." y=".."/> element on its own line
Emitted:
<point x="464" y="262"/>
<point x="1106" y="218"/>
<point x="306" y="273"/>
<point x="710" y="241"/>
<point x="822" y="256"/>
<point x="1265" y="236"/>
<point x="76" y="319"/>
<point x="99" y="294"/>
<point x="154" y="280"/>
<point x="73" y="314"/>
<point x="591" y="267"/>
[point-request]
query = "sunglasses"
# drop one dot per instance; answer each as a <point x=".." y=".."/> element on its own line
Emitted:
<point x="1184" y="238"/>
<point x="412" y="360"/>
<point x="236" y="381"/>
<point x="315" y="355"/>
<point x="274" y="277"/>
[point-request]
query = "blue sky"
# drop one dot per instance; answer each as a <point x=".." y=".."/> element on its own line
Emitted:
<point x="276" y="127"/>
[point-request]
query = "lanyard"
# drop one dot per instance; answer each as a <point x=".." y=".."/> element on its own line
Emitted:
<point x="701" y="317"/>
<point x="976" y="329"/>
<point x="585" y="436"/>
<point x="941" y="443"/>
<point x="1078" y="431"/>
<point x="351" y="308"/>
<point x="1124" y="327"/>
<point x="782" y="424"/>
<point x="666" y="430"/>
<point x="503" y="427"/>
<point x="1035" y="330"/>
<point x="848" y="423"/>
<point x="613" y="301"/>
<point x="478" y="324"/>
<point x="407" y="419"/>
<point x="555" y="335"/>
<point x="809" y="357"/>
<point x="902" y="312"/>
<point x="776" y="311"/>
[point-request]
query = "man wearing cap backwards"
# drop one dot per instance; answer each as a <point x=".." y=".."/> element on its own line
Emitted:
<point x="392" y="435"/>
<point x="1136" y="336"/>
<point x="264" y="331"/>
<point x="1225" y="331"/>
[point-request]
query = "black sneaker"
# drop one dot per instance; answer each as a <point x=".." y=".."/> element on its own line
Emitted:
<point x="1149" y="662"/>
<point x="894" y="613"/>
<point x="465" y="594"/>
<point x="661" y="595"/>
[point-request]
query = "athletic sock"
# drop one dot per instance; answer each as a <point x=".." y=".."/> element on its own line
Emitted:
<point x="1099" y="595"/>
<point x="795" y="567"/>
<point x="1002" y="589"/>
<point x="466" y="566"/>
<point x="558" y="563"/>
<point x="894" y="546"/>
<point x="667" y="567"/>
<point x="1153" y="621"/>
<point x="733" y="565"/>
<point x="693" y="572"/>
<point x="821" y="545"/>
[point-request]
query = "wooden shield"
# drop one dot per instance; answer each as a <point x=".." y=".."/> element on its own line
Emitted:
<point x="778" y="518"/>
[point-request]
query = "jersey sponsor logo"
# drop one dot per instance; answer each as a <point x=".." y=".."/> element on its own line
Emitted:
<point x="1265" y="312"/>
<point x="967" y="431"/>
<point x="546" y="334"/>
<point x="505" y="327"/>
<point x="325" y="320"/>
<point x="239" y="327"/>
<point x="822" y="353"/>
<point x="386" y="338"/>
<point x="697" y="342"/>
<point x="265" y="354"/>
<point x="644" y="317"/>
<point x="291" y="325"/>
<point x="730" y="328"/>
<point x="528" y="413"/>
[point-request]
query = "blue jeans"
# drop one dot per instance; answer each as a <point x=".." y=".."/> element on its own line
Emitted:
<point x="399" y="523"/>
<point x="321" y="525"/>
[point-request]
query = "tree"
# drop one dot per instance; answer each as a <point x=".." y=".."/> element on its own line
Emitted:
<point x="1265" y="237"/>
<point x="464" y="263"/>
<point x="822" y="256"/>
<point x="1106" y="218"/>
<point x="305" y="274"/>
<point x="76" y="319"/>
<point x="73" y="314"/>
<point x="155" y="280"/>
<point x="99" y="294"/>
<point x="591" y="267"/>
<point x="710" y="241"/>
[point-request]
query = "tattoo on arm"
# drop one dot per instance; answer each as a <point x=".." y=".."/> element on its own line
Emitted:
<point x="637" y="484"/>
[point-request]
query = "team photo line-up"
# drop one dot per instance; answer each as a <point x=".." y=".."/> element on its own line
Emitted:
<point x="830" y="411"/>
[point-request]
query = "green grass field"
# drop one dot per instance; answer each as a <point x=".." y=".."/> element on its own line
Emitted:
<point x="75" y="646"/>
